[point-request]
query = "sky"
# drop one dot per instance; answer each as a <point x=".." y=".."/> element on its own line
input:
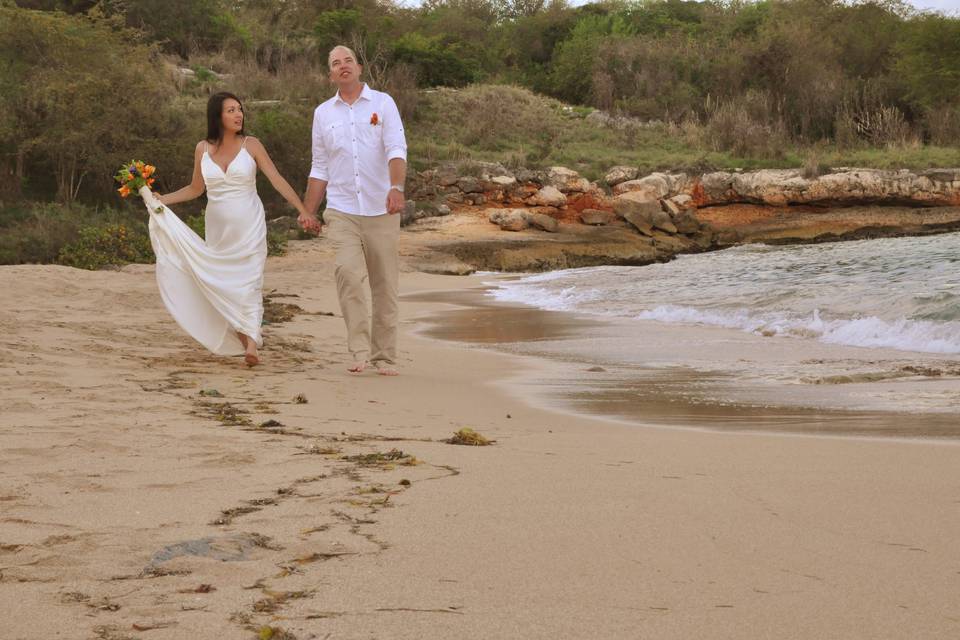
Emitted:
<point x="947" y="6"/>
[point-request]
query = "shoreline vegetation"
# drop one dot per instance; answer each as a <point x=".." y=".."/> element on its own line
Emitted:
<point x="664" y="86"/>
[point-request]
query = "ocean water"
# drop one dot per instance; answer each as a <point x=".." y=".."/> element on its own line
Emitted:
<point x="892" y="293"/>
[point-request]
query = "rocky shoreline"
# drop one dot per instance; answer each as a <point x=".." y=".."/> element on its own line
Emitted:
<point x="474" y="216"/>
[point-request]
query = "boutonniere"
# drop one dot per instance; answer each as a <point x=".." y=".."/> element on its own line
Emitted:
<point x="374" y="119"/>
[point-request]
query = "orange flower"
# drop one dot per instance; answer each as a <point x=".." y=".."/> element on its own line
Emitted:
<point x="374" y="119"/>
<point x="150" y="181"/>
<point x="124" y="191"/>
<point x="148" y="170"/>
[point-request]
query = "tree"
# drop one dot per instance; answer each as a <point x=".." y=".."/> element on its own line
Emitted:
<point x="929" y="60"/>
<point x="78" y="94"/>
<point x="182" y="26"/>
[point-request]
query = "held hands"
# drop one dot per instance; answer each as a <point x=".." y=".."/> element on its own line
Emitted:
<point x="309" y="222"/>
<point x="395" y="202"/>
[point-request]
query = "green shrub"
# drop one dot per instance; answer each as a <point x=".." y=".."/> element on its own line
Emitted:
<point x="35" y="233"/>
<point x="435" y="62"/>
<point x="110" y="245"/>
<point x="276" y="243"/>
<point x="285" y="131"/>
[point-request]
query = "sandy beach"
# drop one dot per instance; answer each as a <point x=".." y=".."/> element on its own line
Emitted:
<point x="150" y="490"/>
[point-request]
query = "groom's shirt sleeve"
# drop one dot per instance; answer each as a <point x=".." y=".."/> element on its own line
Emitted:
<point x="394" y="141"/>
<point x="318" y="168"/>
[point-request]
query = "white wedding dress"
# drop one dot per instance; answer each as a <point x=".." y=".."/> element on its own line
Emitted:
<point x="213" y="288"/>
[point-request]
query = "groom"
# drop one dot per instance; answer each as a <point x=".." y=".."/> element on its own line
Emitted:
<point x="360" y="163"/>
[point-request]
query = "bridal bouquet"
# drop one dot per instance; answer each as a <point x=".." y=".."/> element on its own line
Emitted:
<point x="133" y="176"/>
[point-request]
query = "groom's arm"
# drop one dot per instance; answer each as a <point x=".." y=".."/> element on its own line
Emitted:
<point x="317" y="183"/>
<point x="395" y="147"/>
<point x="316" y="189"/>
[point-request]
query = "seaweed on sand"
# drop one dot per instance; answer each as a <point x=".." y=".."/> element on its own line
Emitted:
<point x="469" y="437"/>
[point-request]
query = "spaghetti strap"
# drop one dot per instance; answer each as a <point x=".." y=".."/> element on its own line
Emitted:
<point x="243" y="144"/>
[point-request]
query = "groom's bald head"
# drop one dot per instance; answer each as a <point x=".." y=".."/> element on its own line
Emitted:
<point x="339" y="52"/>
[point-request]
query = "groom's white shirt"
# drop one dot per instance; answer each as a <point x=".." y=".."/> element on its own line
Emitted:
<point x="352" y="153"/>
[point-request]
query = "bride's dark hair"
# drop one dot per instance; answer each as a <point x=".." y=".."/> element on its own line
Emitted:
<point x="215" y="116"/>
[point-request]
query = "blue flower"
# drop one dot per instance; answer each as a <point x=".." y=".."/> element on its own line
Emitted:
<point x="133" y="170"/>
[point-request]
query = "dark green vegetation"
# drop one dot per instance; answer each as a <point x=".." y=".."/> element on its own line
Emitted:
<point x="85" y="85"/>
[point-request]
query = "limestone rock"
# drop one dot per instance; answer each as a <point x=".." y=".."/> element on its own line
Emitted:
<point x="566" y="180"/>
<point x="469" y="184"/>
<point x="542" y="221"/>
<point x="671" y="207"/>
<point x="548" y="197"/>
<point x="655" y="185"/>
<point x="510" y="219"/>
<point x="671" y="243"/>
<point x="417" y="211"/>
<point x="597" y="217"/>
<point x="446" y="176"/>
<point x="843" y="186"/>
<point x="641" y="211"/>
<point x="640" y="222"/>
<point x="635" y="201"/>
<point x="409" y="213"/>
<point x="619" y="174"/>
<point x="685" y="222"/>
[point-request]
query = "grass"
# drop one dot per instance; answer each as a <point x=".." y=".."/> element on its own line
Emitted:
<point x="519" y="128"/>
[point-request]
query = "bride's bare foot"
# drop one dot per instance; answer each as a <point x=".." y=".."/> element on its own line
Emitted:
<point x="251" y="357"/>
<point x="357" y="367"/>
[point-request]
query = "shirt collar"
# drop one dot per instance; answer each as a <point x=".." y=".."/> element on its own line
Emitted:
<point x="365" y="94"/>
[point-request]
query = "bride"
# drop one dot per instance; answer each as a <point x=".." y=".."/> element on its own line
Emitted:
<point x="213" y="288"/>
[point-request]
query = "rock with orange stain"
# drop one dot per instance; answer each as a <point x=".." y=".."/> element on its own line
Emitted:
<point x="548" y="197"/>
<point x="566" y="180"/>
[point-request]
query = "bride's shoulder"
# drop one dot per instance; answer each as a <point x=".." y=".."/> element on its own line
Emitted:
<point x="251" y="142"/>
<point x="201" y="146"/>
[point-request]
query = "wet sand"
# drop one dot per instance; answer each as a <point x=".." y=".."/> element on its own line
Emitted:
<point x="601" y="372"/>
<point x="151" y="491"/>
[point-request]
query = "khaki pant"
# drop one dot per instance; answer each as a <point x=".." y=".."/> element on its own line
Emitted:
<point x="367" y="252"/>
